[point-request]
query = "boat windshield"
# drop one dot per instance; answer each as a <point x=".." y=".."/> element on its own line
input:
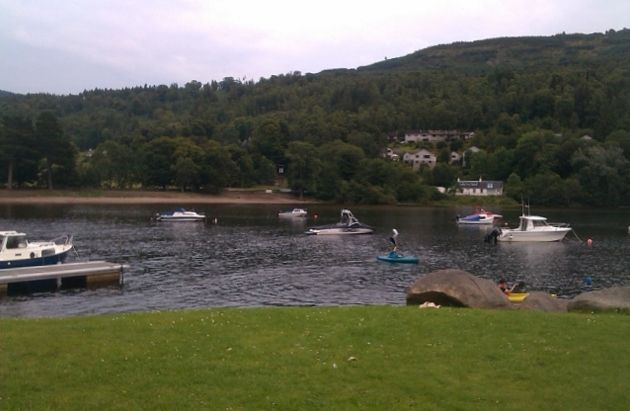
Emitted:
<point x="348" y="219"/>
<point x="17" y="241"/>
<point x="539" y="223"/>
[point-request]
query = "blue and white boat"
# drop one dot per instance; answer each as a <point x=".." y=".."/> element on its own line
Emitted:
<point x="479" y="216"/>
<point x="16" y="251"/>
<point x="180" y="214"/>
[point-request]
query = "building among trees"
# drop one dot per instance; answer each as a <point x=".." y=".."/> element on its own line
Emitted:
<point x="479" y="188"/>
<point x="419" y="158"/>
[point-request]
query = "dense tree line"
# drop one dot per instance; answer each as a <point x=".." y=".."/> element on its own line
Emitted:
<point x="529" y="100"/>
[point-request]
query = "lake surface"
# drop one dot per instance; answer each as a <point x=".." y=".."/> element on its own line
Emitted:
<point x="251" y="258"/>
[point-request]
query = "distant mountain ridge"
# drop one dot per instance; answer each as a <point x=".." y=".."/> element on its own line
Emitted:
<point x="515" y="52"/>
<point x="5" y="93"/>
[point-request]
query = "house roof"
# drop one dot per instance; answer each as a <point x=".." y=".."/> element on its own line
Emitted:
<point x="484" y="184"/>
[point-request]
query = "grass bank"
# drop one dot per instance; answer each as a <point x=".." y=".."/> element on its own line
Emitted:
<point x="383" y="358"/>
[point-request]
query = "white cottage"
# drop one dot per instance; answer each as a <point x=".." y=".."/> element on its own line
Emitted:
<point x="479" y="188"/>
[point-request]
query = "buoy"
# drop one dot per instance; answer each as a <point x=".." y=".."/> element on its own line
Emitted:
<point x="589" y="242"/>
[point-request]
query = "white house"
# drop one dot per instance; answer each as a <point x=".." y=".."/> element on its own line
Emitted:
<point x="420" y="158"/>
<point x="479" y="188"/>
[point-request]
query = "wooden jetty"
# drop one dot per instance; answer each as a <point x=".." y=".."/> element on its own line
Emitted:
<point x="47" y="277"/>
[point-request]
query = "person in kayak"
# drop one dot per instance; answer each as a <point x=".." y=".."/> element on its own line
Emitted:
<point x="518" y="287"/>
<point x="503" y="286"/>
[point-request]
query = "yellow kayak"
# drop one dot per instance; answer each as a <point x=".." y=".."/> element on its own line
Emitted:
<point x="517" y="297"/>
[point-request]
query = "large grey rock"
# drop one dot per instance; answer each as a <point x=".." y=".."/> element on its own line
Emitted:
<point x="541" y="301"/>
<point x="616" y="298"/>
<point x="456" y="288"/>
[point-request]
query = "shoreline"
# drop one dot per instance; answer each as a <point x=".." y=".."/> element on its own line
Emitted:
<point x="145" y="197"/>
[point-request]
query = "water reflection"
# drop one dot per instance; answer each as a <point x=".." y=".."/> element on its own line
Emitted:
<point x="252" y="258"/>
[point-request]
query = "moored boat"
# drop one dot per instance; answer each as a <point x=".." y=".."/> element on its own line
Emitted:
<point x="533" y="229"/>
<point x="295" y="213"/>
<point x="479" y="216"/>
<point x="180" y="214"/>
<point x="348" y="225"/>
<point x="16" y="251"/>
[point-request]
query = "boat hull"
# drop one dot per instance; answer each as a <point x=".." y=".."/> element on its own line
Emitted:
<point x="394" y="257"/>
<point x="533" y="236"/>
<point x="339" y="231"/>
<point x="481" y="221"/>
<point x="33" y="262"/>
<point x="182" y="219"/>
<point x="517" y="297"/>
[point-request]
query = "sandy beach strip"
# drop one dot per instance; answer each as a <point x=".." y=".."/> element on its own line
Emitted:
<point x="145" y="197"/>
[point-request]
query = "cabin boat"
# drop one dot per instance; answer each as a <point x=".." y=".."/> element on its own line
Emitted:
<point x="16" y="251"/>
<point x="479" y="216"/>
<point x="296" y="212"/>
<point x="534" y="229"/>
<point x="180" y="214"/>
<point x="348" y="225"/>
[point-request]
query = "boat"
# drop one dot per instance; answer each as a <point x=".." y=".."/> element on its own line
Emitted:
<point x="180" y="214"/>
<point x="295" y="213"/>
<point x="517" y="297"/>
<point x="394" y="257"/>
<point x="348" y="224"/>
<point x="533" y="228"/>
<point x="479" y="216"/>
<point x="16" y="251"/>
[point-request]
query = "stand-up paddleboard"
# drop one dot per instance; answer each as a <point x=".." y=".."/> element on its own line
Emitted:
<point x="394" y="257"/>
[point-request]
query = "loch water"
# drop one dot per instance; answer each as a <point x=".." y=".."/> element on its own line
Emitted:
<point x="250" y="257"/>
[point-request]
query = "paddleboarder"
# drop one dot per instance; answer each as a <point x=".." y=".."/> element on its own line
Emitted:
<point x="393" y="239"/>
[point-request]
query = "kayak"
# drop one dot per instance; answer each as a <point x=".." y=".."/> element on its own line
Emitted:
<point x="517" y="297"/>
<point x="394" y="257"/>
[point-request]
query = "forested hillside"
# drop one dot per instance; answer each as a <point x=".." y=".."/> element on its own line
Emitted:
<point x="530" y="102"/>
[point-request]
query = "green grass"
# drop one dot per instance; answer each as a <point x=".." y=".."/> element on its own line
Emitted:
<point x="339" y="358"/>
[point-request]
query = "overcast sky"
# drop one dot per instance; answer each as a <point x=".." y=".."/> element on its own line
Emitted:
<point x="67" y="46"/>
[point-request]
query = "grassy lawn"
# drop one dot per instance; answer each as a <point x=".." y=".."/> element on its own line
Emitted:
<point x="337" y="358"/>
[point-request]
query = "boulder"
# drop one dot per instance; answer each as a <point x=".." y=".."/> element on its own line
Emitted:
<point x="541" y="301"/>
<point x="456" y="288"/>
<point x="616" y="298"/>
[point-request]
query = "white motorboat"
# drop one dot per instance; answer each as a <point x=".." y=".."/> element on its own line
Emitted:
<point x="16" y="251"/>
<point x="180" y="215"/>
<point x="348" y="224"/>
<point x="534" y="229"/>
<point x="295" y="213"/>
<point x="479" y="216"/>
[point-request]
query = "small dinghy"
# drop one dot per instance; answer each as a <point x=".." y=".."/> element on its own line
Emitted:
<point x="394" y="257"/>
<point x="296" y="212"/>
<point x="479" y="216"/>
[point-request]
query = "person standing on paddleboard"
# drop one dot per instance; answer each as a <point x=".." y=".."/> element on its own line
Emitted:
<point x="393" y="238"/>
